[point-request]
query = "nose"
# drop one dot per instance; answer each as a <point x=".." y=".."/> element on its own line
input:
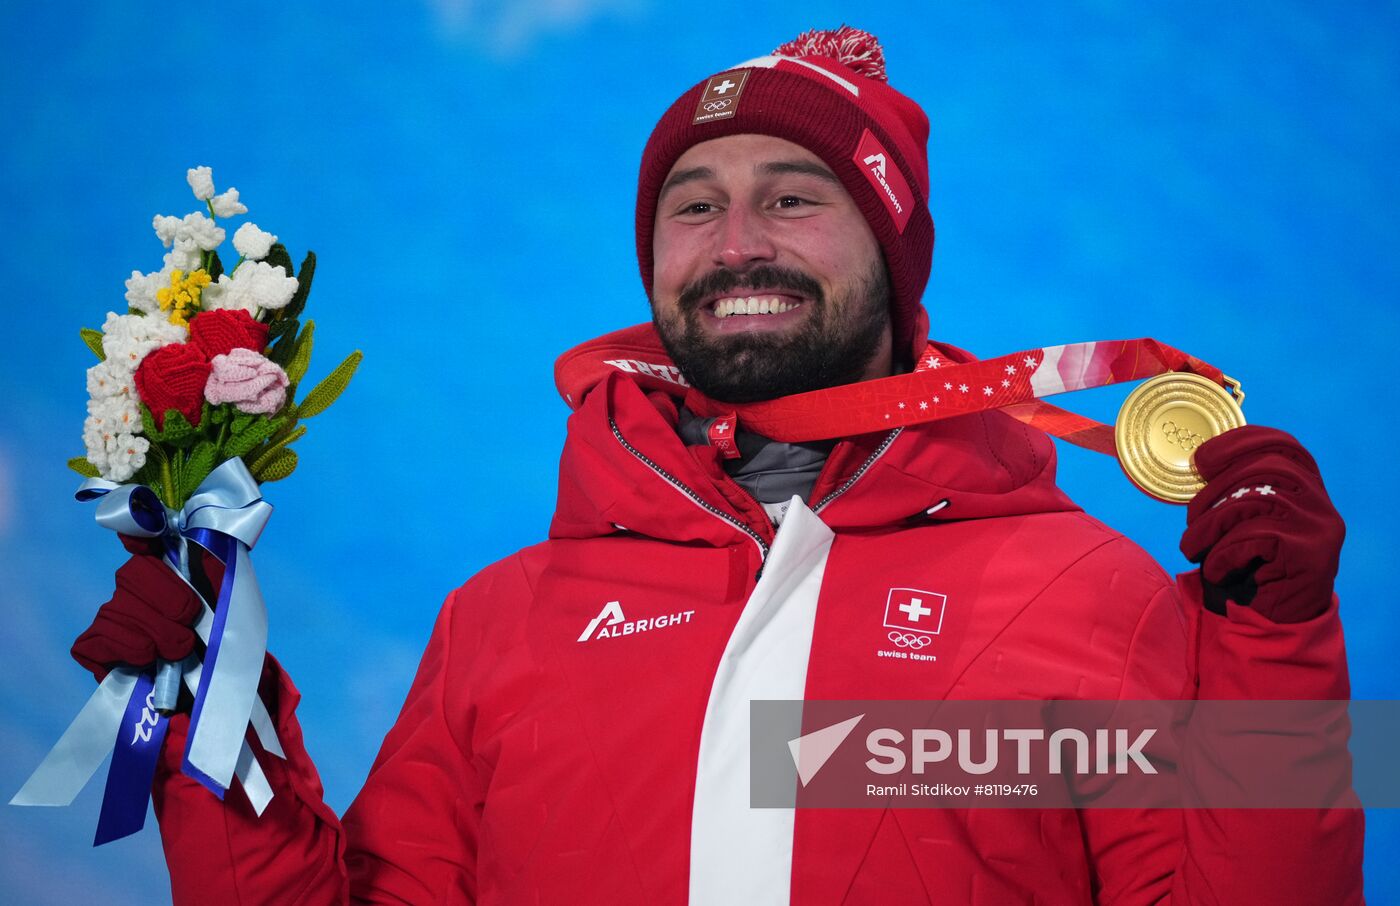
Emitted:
<point x="744" y="239"/>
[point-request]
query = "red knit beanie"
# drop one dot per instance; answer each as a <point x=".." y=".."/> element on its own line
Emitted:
<point x="825" y="91"/>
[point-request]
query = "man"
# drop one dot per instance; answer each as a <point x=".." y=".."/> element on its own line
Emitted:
<point x="577" y="731"/>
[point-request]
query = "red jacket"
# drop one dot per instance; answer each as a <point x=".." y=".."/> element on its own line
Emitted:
<point x="575" y="731"/>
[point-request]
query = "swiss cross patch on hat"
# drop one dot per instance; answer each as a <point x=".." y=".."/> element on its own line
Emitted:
<point x="720" y="99"/>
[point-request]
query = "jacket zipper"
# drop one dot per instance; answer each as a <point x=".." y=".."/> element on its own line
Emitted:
<point x="864" y="467"/>
<point x="694" y="497"/>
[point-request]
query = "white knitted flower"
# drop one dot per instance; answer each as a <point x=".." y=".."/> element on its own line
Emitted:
<point x="110" y="379"/>
<point x="117" y="414"/>
<point x="185" y="256"/>
<point x="127" y="457"/>
<point x="253" y="243"/>
<point x="206" y="234"/>
<point x="201" y="180"/>
<point x="127" y="339"/>
<point x="95" y="437"/>
<point x="255" y="285"/>
<point x="115" y="451"/>
<point x="228" y="205"/>
<point x="166" y="227"/>
<point x="111" y="432"/>
<point x="217" y="295"/>
<point x="196" y="230"/>
<point x="141" y="289"/>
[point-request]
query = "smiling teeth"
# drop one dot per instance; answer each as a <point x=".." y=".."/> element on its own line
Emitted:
<point x="753" y="305"/>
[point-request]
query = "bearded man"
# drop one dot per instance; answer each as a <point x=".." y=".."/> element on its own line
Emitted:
<point x="577" y="731"/>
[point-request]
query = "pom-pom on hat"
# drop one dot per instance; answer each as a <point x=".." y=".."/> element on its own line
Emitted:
<point x="825" y="91"/>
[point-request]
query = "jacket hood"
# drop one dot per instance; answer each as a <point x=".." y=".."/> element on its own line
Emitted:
<point x="625" y="467"/>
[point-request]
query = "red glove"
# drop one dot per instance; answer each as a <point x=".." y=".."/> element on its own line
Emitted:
<point x="151" y="614"/>
<point x="1263" y="528"/>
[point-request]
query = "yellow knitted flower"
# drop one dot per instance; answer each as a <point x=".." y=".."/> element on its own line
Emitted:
<point x="181" y="297"/>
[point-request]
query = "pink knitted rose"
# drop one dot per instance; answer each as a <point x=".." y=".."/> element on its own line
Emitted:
<point x="248" y="380"/>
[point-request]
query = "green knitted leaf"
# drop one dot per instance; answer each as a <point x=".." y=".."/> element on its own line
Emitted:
<point x="279" y="329"/>
<point x="278" y="467"/>
<point x="177" y="431"/>
<point x="197" y="467"/>
<point x="155" y="455"/>
<point x="176" y="425"/>
<point x="149" y="474"/>
<point x="240" y="442"/>
<point x="301" y="358"/>
<point x="84" y="468"/>
<point x="304" y="277"/>
<point x="93" y="339"/>
<point x="331" y="386"/>
<point x="277" y="257"/>
<point x="289" y="416"/>
<point x="282" y="336"/>
<point x="264" y="454"/>
<point x="177" y="478"/>
<point x="241" y="421"/>
<point x="216" y="267"/>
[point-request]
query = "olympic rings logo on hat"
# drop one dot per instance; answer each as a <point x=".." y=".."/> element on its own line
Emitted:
<point x="713" y="106"/>
<point x="909" y="640"/>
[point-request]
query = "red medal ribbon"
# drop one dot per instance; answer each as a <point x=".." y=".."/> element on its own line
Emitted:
<point x="937" y="389"/>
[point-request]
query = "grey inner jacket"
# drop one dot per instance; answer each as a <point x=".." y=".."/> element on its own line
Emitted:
<point x="770" y="470"/>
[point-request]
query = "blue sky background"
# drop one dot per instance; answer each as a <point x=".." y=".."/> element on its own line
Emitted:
<point x="1219" y="177"/>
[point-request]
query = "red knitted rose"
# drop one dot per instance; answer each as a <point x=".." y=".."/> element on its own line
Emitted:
<point x="173" y="377"/>
<point x="223" y="330"/>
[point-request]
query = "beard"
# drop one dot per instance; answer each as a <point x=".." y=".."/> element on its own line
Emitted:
<point x="833" y="346"/>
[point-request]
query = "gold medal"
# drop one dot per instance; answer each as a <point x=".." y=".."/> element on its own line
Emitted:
<point x="1161" y="424"/>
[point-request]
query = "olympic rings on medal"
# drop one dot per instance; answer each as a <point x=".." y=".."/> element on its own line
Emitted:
<point x="909" y="639"/>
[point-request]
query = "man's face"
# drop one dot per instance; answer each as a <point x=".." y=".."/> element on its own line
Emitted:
<point x="767" y="279"/>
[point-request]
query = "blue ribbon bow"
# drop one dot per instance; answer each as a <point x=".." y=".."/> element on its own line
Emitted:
<point x="225" y="515"/>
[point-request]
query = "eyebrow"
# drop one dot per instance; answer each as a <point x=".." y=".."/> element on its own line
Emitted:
<point x="681" y="177"/>
<point x="802" y="167"/>
<point x="771" y="168"/>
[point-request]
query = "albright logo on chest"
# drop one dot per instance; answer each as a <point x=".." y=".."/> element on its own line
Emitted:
<point x="611" y="623"/>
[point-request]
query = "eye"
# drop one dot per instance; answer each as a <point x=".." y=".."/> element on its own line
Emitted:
<point x="697" y="211"/>
<point x="791" y="204"/>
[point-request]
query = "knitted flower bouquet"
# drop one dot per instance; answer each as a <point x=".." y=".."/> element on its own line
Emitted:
<point x="205" y="365"/>
<point x="193" y="406"/>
